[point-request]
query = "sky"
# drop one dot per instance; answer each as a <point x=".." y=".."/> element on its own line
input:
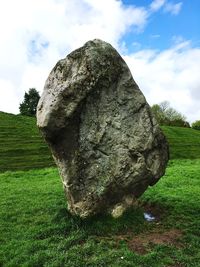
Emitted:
<point x="159" y="40"/>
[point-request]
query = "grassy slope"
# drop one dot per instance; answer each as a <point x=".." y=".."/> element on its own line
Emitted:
<point x="21" y="146"/>
<point x="37" y="230"/>
<point x="184" y="142"/>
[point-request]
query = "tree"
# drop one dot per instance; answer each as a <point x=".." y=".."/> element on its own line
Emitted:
<point x="173" y="114"/>
<point x="164" y="105"/>
<point x="196" y="125"/>
<point x="158" y="113"/>
<point x="29" y="106"/>
<point x="166" y="115"/>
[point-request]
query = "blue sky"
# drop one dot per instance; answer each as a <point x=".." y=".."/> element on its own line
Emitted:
<point x="159" y="40"/>
<point x="164" y="28"/>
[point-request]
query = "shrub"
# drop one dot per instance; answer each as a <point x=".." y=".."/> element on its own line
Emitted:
<point x="196" y="125"/>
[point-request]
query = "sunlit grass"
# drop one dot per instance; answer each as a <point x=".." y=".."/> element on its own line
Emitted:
<point x="37" y="230"/>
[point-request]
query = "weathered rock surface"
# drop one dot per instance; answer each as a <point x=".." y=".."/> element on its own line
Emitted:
<point x="105" y="141"/>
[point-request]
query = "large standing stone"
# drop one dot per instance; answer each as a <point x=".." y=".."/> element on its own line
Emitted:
<point x="105" y="141"/>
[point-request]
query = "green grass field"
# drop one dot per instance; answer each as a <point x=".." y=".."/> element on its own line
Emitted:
<point x="37" y="230"/>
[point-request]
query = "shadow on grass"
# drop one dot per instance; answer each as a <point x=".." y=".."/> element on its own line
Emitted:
<point x="100" y="225"/>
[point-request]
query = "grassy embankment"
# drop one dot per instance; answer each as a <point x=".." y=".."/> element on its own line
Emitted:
<point x="37" y="230"/>
<point x="21" y="146"/>
<point x="184" y="142"/>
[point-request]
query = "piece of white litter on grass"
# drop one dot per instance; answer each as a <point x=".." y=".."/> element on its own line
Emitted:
<point x="149" y="217"/>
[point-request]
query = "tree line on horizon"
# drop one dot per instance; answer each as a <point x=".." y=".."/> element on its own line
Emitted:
<point x="163" y="112"/>
<point x="168" y="116"/>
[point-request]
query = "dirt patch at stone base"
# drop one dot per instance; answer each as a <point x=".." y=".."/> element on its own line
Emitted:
<point x="142" y="243"/>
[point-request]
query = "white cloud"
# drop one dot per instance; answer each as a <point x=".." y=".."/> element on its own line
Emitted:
<point x="9" y="97"/>
<point x="155" y="36"/>
<point x="171" y="75"/>
<point x="174" y="9"/>
<point x="168" y="7"/>
<point x="34" y="34"/>
<point x="157" y="4"/>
